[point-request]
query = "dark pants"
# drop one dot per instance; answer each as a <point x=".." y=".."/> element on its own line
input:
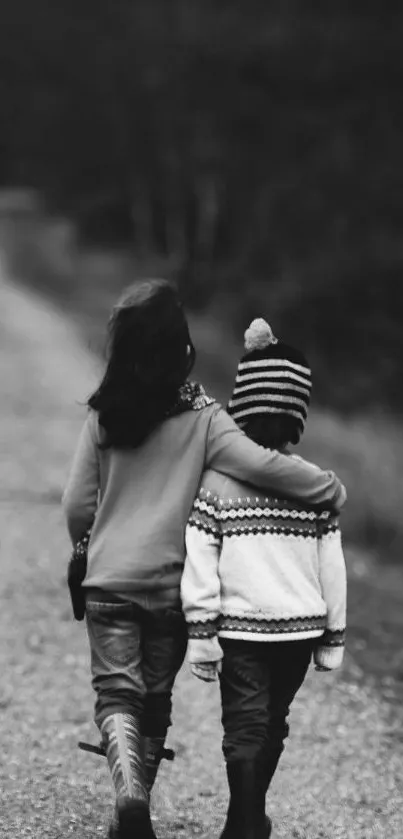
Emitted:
<point x="137" y="649"/>
<point x="259" y="680"/>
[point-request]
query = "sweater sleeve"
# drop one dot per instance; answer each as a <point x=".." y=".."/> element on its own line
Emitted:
<point x="333" y="579"/>
<point x="230" y="452"/>
<point x="80" y="497"/>
<point x="200" y="586"/>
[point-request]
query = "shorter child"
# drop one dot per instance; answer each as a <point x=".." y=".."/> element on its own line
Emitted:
<point x="264" y="585"/>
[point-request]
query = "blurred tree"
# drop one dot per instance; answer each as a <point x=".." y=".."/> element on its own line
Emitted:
<point x="255" y="145"/>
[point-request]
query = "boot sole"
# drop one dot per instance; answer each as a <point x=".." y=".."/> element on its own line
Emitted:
<point x="134" y="820"/>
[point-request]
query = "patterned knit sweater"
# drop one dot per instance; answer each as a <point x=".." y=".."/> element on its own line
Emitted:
<point x="261" y="569"/>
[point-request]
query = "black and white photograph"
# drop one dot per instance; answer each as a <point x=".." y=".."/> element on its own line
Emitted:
<point x="201" y="419"/>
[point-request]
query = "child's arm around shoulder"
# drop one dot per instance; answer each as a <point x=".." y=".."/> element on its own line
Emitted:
<point x="333" y="579"/>
<point x="200" y="586"/>
<point x="230" y="452"/>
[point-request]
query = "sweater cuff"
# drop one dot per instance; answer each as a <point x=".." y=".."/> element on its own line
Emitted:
<point x="333" y="638"/>
<point x="329" y="657"/>
<point x="202" y="629"/>
<point x="202" y="650"/>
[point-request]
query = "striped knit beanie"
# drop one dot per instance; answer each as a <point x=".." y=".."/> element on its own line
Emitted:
<point x="272" y="378"/>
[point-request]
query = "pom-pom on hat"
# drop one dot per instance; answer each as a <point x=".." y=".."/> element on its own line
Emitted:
<point x="272" y="377"/>
<point x="259" y="335"/>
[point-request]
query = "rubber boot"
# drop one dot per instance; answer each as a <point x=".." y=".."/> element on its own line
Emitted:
<point x="263" y="787"/>
<point x="246" y="817"/>
<point x="268" y="768"/>
<point x="124" y="752"/>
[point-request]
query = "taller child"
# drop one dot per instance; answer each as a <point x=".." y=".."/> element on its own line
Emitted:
<point x="148" y="437"/>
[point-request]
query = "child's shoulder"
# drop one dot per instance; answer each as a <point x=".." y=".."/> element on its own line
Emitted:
<point x="327" y="520"/>
<point x="223" y="489"/>
<point x="212" y="485"/>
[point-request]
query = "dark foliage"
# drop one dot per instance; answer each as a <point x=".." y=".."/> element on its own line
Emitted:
<point x="255" y="145"/>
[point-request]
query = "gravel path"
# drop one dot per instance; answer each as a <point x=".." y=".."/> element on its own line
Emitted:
<point x="342" y="772"/>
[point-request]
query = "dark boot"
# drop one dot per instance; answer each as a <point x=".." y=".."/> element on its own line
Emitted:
<point x="246" y="817"/>
<point x="124" y="752"/>
<point x="154" y="752"/>
<point x="263" y="787"/>
<point x="268" y="767"/>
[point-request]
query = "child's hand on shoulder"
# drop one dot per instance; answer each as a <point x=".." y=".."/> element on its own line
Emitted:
<point x="207" y="671"/>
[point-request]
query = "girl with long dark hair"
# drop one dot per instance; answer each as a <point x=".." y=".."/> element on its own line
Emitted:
<point x="148" y="437"/>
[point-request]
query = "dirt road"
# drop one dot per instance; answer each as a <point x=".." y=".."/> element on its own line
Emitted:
<point x="342" y="772"/>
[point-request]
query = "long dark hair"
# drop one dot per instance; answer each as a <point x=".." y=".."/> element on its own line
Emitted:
<point x="150" y="357"/>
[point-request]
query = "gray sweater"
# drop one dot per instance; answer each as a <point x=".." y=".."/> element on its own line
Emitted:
<point x="138" y="501"/>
